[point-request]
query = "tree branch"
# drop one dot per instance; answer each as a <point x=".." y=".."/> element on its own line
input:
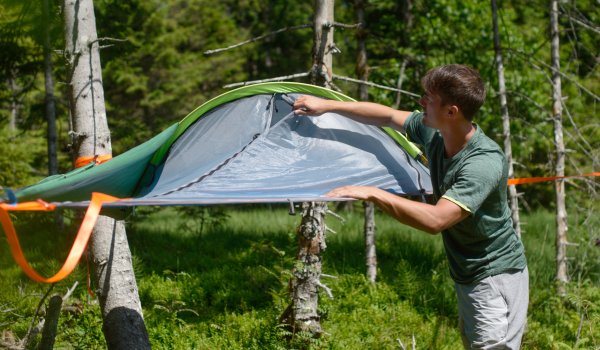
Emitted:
<point x="301" y="26"/>
<point x="368" y="83"/>
<point x="581" y="23"/>
<point x="326" y="289"/>
<point x="110" y="39"/>
<point x="250" y="82"/>
<point x="70" y="291"/>
<point x="580" y="136"/>
<point x="343" y="25"/>
<point x="529" y="58"/>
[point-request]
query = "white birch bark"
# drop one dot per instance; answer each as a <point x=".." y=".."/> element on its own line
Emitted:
<point x="512" y="190"/>
<point x="123" y="323"/>
<point x="321" y="72"/>
<point x="561" y="211"/>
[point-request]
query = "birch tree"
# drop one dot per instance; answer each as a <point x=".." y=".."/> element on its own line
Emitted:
<point x="512" y="190"/>
<point x="302" y="314"/>
<point x="561" y="210"/>
<point x="123" y="323"/>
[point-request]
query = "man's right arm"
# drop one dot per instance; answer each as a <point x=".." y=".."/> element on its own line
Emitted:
<point x="363" y="112"/>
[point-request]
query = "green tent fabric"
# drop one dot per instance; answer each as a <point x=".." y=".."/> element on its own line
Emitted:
<point x="247" y="146"/>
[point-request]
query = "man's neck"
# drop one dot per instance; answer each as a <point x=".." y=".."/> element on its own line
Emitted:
<point x="457" y="137"/>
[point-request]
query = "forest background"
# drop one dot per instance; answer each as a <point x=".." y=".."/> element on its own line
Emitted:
<point x="155" y="71"/>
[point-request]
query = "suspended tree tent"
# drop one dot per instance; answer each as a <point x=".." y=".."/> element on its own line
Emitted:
<point x="247" y="146"/>
<point x="244" y="146"/>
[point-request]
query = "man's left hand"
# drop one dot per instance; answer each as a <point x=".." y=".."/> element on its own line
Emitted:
<point x="356" y="192"/>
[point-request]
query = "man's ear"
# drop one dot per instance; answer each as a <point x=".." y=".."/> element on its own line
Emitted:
<point x="452" y="110"/>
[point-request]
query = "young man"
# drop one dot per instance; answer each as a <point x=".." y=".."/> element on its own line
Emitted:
<point x="469" y="176"/>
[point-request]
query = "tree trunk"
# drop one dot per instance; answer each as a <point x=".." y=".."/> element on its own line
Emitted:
<point x="49" y="97"/>
<point x="123" y="323"/>
<point x="370" y="247"/>
<point x="399" y="84"/>
<point x="51" y="323"/>
<point x="512" y="190"/>
<point x="362" y="72"/>
<point x="405" y="15"/>
<point x="14" y="102"/>
<point x="116" y="287"/>
<point x="302" y="314"/>
<point x="323" y="43"/>
<point x="362" y="68"/>
<point x="561" y="211"/>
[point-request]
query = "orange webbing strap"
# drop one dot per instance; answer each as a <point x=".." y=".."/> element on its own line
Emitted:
<point x="526" y="180"/>
<point x="82" y="161"/>
<point x="81" y="240"/>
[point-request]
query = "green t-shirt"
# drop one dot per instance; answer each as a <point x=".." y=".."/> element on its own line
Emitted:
<point x="485" y="243"/>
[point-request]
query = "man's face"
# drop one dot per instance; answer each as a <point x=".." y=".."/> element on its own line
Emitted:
<point x="432" y="109"/>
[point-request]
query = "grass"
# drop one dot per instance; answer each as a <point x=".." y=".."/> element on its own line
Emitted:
<point x="224" y="286"/>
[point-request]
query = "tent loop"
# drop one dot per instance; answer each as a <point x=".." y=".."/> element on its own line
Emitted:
<point x="287" y="99"/>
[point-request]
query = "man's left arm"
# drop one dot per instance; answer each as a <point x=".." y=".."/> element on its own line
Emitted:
<point x="426" y="217"/>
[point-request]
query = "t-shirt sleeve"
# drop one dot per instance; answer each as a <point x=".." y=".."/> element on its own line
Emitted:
<point x="475" y="181"/>
<point x="416" y="131"/>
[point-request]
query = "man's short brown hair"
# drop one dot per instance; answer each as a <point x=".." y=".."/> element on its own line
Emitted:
<point x="456" y="84"/>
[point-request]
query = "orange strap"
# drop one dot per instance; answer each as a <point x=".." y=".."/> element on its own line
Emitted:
<point x="526" y="180"/>
<point x="83" y="161"/>
<point x="81" y="240"/>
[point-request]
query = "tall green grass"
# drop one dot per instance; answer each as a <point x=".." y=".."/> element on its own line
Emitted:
<point x="224" y="287"/>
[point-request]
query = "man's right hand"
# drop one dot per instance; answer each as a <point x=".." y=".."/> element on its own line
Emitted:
<point x="310" y="105"/>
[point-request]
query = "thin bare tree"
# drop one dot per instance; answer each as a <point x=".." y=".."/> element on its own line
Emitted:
<point x="512" y="190"/>
<point x="123" y="323"/>
<point x="561" y="212"/>
<point x="49" y="100"/>
<point x="362" y="72"/>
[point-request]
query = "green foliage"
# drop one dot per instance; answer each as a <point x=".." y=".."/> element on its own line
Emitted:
<point x="227" y="288"/>
<point x="19" y="152"/>
<point x="213" y="279"/>
<point x="160" y="73"/>
<point x="198" y="218"/>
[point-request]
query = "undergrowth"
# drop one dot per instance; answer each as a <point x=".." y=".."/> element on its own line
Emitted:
<point x="224" y="286"/>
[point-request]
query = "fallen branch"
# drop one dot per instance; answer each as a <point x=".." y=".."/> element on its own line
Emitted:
<point x="414" y="343"/>
<point x="301" y="26"/>
<point x="70" y="291"/>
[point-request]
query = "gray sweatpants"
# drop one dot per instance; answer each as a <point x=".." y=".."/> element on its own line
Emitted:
<point x="493" y="312"/>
